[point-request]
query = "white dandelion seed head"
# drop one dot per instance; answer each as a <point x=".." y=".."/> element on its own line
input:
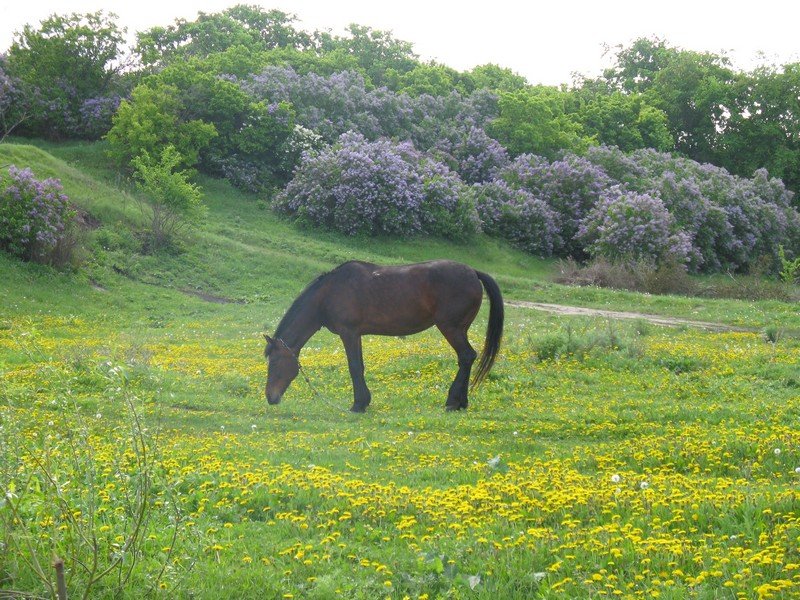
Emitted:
<point x="615" y="478"/>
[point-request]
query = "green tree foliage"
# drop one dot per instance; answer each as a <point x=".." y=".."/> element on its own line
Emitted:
<point x="174" y="202"/>
<point x="152" y="119"/>
<point x="69" y="59"/>
<point x="614" y="118"/>
<point x="253" y="137"/>
<point x="241" y="25"/>
<point x="692" y="88"/>
<point x="535" y="120"/>
<point x="763" y="129"/>
<point x="495" y="78"/>
<point x="431" y="78"/>
<point x="377" y="51"/>
<point x="304" y="62"/>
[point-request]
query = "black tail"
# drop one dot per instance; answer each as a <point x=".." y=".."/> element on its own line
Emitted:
<point x="494" y="331"/>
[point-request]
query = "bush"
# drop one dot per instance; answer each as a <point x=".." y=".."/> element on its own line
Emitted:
<point x="571" y="187"/>
<point x="67" y="62"/>
<point x="152" y="119"/>
<point x="516" y="215"/>
<point x="473" y="154"/>
<point x="174" y="201"/>
<point x="631" y="226"/>
<point x="12" y="101"/>
<point x="35" y="218"/>
<point x="373" y="188"/>
<point x="730" y="221"/>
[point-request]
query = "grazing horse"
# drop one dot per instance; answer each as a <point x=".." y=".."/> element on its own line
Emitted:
<point x="359" y="298"/>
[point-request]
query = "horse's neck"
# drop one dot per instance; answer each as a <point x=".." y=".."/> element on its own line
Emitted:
<point x="304" y="325"/>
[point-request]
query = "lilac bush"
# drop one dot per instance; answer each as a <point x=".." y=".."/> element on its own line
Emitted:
<point x="362" y="187"/>
<point x="95" y="116"/>
<point x="732" y="222"/>
<point x="518" y="216"/>
<point x="570" y="187"/>
<point x="34" y="215"/>
<point x="474" y="155"/>
<point x="631" y="226"/>
<point x="12" y="111"/>
<point x="331" y="105"/>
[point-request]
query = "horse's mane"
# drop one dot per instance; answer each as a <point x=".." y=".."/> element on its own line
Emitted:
<point x="303" y="299"/>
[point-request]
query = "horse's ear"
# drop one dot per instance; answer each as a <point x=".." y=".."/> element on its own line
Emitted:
<point x="269" y="339"/>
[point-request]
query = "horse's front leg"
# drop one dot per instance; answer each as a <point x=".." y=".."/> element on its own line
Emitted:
<point x="355" y="362"/>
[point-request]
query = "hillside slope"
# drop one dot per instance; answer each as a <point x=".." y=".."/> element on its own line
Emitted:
<point x="244" y="253"/>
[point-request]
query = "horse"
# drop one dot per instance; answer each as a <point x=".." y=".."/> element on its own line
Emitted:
<point x="360" y="298"/>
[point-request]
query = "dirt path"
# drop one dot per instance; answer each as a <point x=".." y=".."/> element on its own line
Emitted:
<point x="560" y="309"/>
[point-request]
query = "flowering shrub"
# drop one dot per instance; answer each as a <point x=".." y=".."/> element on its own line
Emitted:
<point x="518" y="216"/>
<point x="632" y="226"/>
<point x="335" y="104"/>
<point x="381" y="187"/>
<point x="570" y="187"/>
<point x="474" y="155"/>
<point x="342" y="102"/>
<point x="12" y="98"/>
<point x="96" y="116"/>
<point x="731" y="221"/>
<point x="34" y="215"/>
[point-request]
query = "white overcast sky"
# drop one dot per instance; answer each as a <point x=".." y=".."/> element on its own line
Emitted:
<point x="544" y="41"/>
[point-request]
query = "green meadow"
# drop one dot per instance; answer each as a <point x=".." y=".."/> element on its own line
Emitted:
<point x="601" y="458"/>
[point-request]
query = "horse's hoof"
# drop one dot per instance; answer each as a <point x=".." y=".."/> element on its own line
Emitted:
<point x="450" y="408"/>
<point x="358" y="409"/>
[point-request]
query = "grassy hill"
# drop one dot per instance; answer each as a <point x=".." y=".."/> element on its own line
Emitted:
<point x="600" y="457"/>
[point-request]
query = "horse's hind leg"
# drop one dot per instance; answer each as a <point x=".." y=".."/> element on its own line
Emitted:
<point x="457" y="337"/>
<point x="355" y="362"/>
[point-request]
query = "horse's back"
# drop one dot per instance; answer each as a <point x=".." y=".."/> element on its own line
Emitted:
<point x="402" y="299"/>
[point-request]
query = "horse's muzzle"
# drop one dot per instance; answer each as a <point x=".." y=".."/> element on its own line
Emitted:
<point x="274" y="399"/>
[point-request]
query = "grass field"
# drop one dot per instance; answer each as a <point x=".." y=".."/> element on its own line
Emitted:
<point x="600" y="458"/>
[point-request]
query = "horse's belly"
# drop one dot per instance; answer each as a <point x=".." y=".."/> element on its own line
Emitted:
<point x="395" y="328"/>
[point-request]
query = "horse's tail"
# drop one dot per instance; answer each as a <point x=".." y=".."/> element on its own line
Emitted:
<point x="494" y="330"/>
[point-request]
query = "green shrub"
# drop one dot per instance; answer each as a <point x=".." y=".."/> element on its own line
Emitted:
<point x="174" y="201"/>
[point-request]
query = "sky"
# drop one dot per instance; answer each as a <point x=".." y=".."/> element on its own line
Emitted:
<point x="546" y="42"/>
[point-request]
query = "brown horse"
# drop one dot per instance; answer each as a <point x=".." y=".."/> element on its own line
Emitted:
<point x="358" y="298"/>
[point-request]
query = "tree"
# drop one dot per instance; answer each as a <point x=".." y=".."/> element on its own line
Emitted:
<point x="376" y="51"/>
<point x="692" y="88"/>
<point x="763" y="127"/>
<point x="535" y="121"/>
<point x="432" y="79"/>
<point x="153" y="119"/>
<point x="241" y="25"/>
<point x="624" y="120"/>
<point x="495" y="78"/>
<point x="66" y="62"/>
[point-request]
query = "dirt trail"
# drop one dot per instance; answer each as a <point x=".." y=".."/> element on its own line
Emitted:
<point x="560" y="309"/>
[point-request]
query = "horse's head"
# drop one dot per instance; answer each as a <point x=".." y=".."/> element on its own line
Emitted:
<point x="283" y="368"/>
